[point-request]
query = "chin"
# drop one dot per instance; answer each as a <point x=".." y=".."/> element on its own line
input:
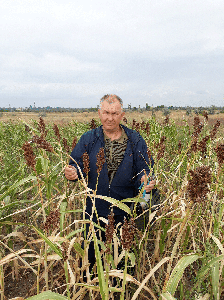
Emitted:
<point x="109" y="127"/>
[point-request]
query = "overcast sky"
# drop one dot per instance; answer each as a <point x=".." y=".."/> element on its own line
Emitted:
<point x="71" y="53"/>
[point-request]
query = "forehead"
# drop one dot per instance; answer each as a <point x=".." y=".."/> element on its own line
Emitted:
<point x="111" y="105"/>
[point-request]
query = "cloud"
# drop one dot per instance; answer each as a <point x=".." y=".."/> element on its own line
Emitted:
<point x="53" y="62"/>
<point x="63" y="50"/>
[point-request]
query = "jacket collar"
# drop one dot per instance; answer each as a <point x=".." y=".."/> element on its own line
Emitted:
<point x="130" y="133"/>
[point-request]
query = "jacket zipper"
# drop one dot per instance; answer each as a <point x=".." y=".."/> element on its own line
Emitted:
<point x="109" y="190"/>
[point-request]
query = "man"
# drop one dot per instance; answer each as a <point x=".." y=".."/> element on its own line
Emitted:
<point x="126" y="155"/>
<point x="126" y="159"/>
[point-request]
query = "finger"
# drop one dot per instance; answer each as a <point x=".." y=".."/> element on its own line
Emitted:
<point x="143" y="178"/>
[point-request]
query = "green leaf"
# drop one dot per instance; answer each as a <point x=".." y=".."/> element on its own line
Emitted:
<point x="50" y="244"/>
<point x="102" y="245"/>
<point x="167" y="296"/>
<point x="62" y="214"/>
<point x="178" y="272"/>
<point x="215" y="279"/>
<point x="100" y="271"/>
<point x="204" y="270"/>
<point x="74" y="233"/>
<point x="44" y="163"/>
<point x="131" y="256"/>
<point x="17" y="184"/>
<point x="48" y="296"/>
<point x="13" y="204"/>
<point x="117" y="203"/>
<point x="39" y="168"/>
<point x="79" y="249"/>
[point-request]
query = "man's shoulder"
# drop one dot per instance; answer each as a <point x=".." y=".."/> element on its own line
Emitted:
<point x="133" y="135"/>
<point x="92" y="134"/>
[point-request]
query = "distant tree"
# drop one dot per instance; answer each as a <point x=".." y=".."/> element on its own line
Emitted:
<point x="166" y="111"/>
<point x="147" y="107"/>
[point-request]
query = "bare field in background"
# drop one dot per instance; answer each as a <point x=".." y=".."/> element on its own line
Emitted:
<point x="178" y="116"/>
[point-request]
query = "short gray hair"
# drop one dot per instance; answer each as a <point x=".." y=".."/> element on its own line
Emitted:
<point x="110" y="98"/>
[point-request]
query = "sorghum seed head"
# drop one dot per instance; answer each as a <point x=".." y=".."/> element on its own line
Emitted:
<point x="29" y="155"/>
<point x="27" y="128"/>
<point x="66" y="146"/>
<point x="41" y="125"/>
<point x="93" y="124"/>
<point x="166" y="121"/>
<point x="128" y="231"/>
<point x="85" y="158"/>
<point x="42" y="143"/>
<point x="125" y="120"/>
<point x="197" y="127"/>
<point x="56" y="132"/>
<point x="198" y="184"/>
<point x="194" y="145"/>
<point x="137" y="127"/>
<point x="214" y="130"/>
<point x="100" y="160"/>
<point x="52" y="220"/>
<point x="147" y="128"/>
<point x="220" y="153"/>
<point x="74" y="142"/>
<point x="109" y="230"/>
<point x="143" y="125"/>
<point x="133" y="124"/>
<point x="202" y="146"/>
<point x="205" y="115"/>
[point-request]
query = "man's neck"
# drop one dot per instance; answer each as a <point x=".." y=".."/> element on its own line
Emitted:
<point x="113" y="135"/>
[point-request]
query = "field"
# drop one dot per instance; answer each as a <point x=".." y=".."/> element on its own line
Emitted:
<point x="179" y="254"/>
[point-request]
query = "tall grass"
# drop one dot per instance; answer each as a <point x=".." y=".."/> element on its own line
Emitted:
<point x="178" y="255"/>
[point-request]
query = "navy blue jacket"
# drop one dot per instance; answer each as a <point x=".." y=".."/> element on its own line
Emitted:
<point x="123" y="184"/>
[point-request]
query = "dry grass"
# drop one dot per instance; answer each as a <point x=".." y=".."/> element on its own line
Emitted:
<point x="179" y="117"/>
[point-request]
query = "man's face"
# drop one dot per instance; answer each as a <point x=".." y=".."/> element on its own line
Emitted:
<point x="111" y="115"/>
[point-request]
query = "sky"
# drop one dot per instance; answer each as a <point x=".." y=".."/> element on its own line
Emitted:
<point x="63" y="53"/>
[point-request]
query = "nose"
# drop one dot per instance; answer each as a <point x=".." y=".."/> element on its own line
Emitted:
<point x="110" y="117"/>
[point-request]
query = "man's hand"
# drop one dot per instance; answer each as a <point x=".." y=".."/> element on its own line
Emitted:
<point x="150" y="186"/>
<point x="71" y="173"/>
